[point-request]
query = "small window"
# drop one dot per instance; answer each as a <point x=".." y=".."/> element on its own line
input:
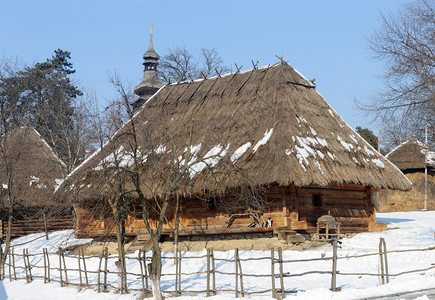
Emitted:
<point x="317" y="200"/>
<point x="212" y="203"/>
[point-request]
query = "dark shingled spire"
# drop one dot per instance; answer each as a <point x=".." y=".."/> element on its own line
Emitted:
<point x="150" y="83"/>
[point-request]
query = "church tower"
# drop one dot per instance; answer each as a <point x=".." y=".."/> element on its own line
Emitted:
<point x="150" y="83"/>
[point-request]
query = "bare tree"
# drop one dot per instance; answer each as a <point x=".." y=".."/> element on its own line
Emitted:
<point x="406" y="42"/>
<point x="212" y="63"/>
<point x="180" y="65"/>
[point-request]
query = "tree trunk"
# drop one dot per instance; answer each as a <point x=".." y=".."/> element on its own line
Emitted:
<point x="156" y="269"/>
<point x="120" y="236"/>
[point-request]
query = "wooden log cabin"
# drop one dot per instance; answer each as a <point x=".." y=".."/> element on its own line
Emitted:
<point x="247" y="146"/>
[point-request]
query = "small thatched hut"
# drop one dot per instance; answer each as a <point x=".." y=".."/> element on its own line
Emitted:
<point x="268" y="128"/>
<point x="30" y="171"/>
<point x="411" y="157"/>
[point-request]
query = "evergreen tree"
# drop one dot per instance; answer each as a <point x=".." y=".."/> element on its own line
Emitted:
<point x="45" y="97"/>
<point x="368" y="135"/>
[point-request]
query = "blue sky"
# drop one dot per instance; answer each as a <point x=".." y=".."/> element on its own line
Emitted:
<point x="325" y="40"/>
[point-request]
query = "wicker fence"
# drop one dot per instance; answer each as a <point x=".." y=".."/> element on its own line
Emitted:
<point x="212" y="277"/>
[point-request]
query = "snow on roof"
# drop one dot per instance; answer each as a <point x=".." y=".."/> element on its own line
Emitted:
<point x="263" y="140"/>
<point x="240" y="151"/>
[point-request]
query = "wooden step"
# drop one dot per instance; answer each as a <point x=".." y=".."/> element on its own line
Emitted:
<point x="141" y="242"/>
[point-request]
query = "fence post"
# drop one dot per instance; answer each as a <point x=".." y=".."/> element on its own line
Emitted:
<point x="45" y="265"/>
<point x="99" y="272"/>
<point x="334" y="266"/>
<point x="84" y="266"/>
<point x="141" y="270"/>
<point x="13" y="263"/>
<point x="385" y="278"/>
<point x="105" y="269"/>
<point x="29" y="265"/>
<point x="237" y="274"/>
<point x="144" y="257"/>
<point x="179" y="271"/>
<point x="65" y="269"/>
<point x="381" y="259"/>
<point x="80" y="269"/>
<point x="213" y="270"/>
<point x="240" y="274"/>
<point x="281" y="273"/>
<point x="208" y="272"/>
<point x="48" y="265"/>
<point x="60" y="267"/>
<point x="272" y="271"/>
<point x="25" y="265"/>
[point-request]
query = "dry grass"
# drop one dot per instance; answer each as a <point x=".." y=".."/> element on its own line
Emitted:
<point x="391" y="201"/>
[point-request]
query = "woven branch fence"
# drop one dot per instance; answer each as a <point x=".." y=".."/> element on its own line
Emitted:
<point x="100" y="271"/>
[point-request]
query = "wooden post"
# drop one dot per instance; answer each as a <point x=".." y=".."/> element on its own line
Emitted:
<point x="65" y="268"/>
<point x="99" y="272"/>
<point x="208" y="272"/>
<point x="237" y="274"/>
<point x="386" y="261"/>
<point x="272" y="271"/>
<point x="334" y="266"/>
<point x="80" y="269"/>
<point x="105" y="269"/>
<point x="281" y="273"/>
<point x="48" y="266"/>
<point x="385" y="278"/>
<point x="144" y="258"/>
<point x="240" y="274"/>
<point x="213" y="270"/>
<point x="29" y="265"/>
<point x="179" y="271"/>
<point x="45" y="227"/>
<point x="25" y="265"/>
<point x="381" y="259"/>
<point x="84" y="267"/>
<point x="141" y="270"/>
<point x="45" y="265"/>
<point x="13" y="264"/>
<point x="60" y="267"/>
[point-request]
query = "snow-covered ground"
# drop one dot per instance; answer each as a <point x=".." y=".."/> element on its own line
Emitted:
<point x="408" y="230"/>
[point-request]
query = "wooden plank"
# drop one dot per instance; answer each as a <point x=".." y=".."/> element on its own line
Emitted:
<point x="224" y="231"/>
<point x="330" y="193"/>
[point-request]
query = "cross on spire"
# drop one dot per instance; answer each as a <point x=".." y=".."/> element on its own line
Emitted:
<point x="151" y="29"/>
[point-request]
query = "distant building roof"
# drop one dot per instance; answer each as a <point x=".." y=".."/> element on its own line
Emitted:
<point x="412" y="154"/>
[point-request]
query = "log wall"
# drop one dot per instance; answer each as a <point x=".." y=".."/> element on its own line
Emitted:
<point x="25" y="227"/>
<point x="293" y="208"/>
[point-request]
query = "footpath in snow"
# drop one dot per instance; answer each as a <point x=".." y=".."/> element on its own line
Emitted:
<point x="407" y="230"/>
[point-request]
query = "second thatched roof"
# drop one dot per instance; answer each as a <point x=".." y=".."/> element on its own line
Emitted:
<point x="29" y="168"/>
<point x="269" y="122"/>
<point x="412" y="155"/>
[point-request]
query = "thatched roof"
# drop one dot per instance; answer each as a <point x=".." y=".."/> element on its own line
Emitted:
<point x="35" y="169"/>
<point x="412" y="154"/>
<point x="269" y="122"/>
